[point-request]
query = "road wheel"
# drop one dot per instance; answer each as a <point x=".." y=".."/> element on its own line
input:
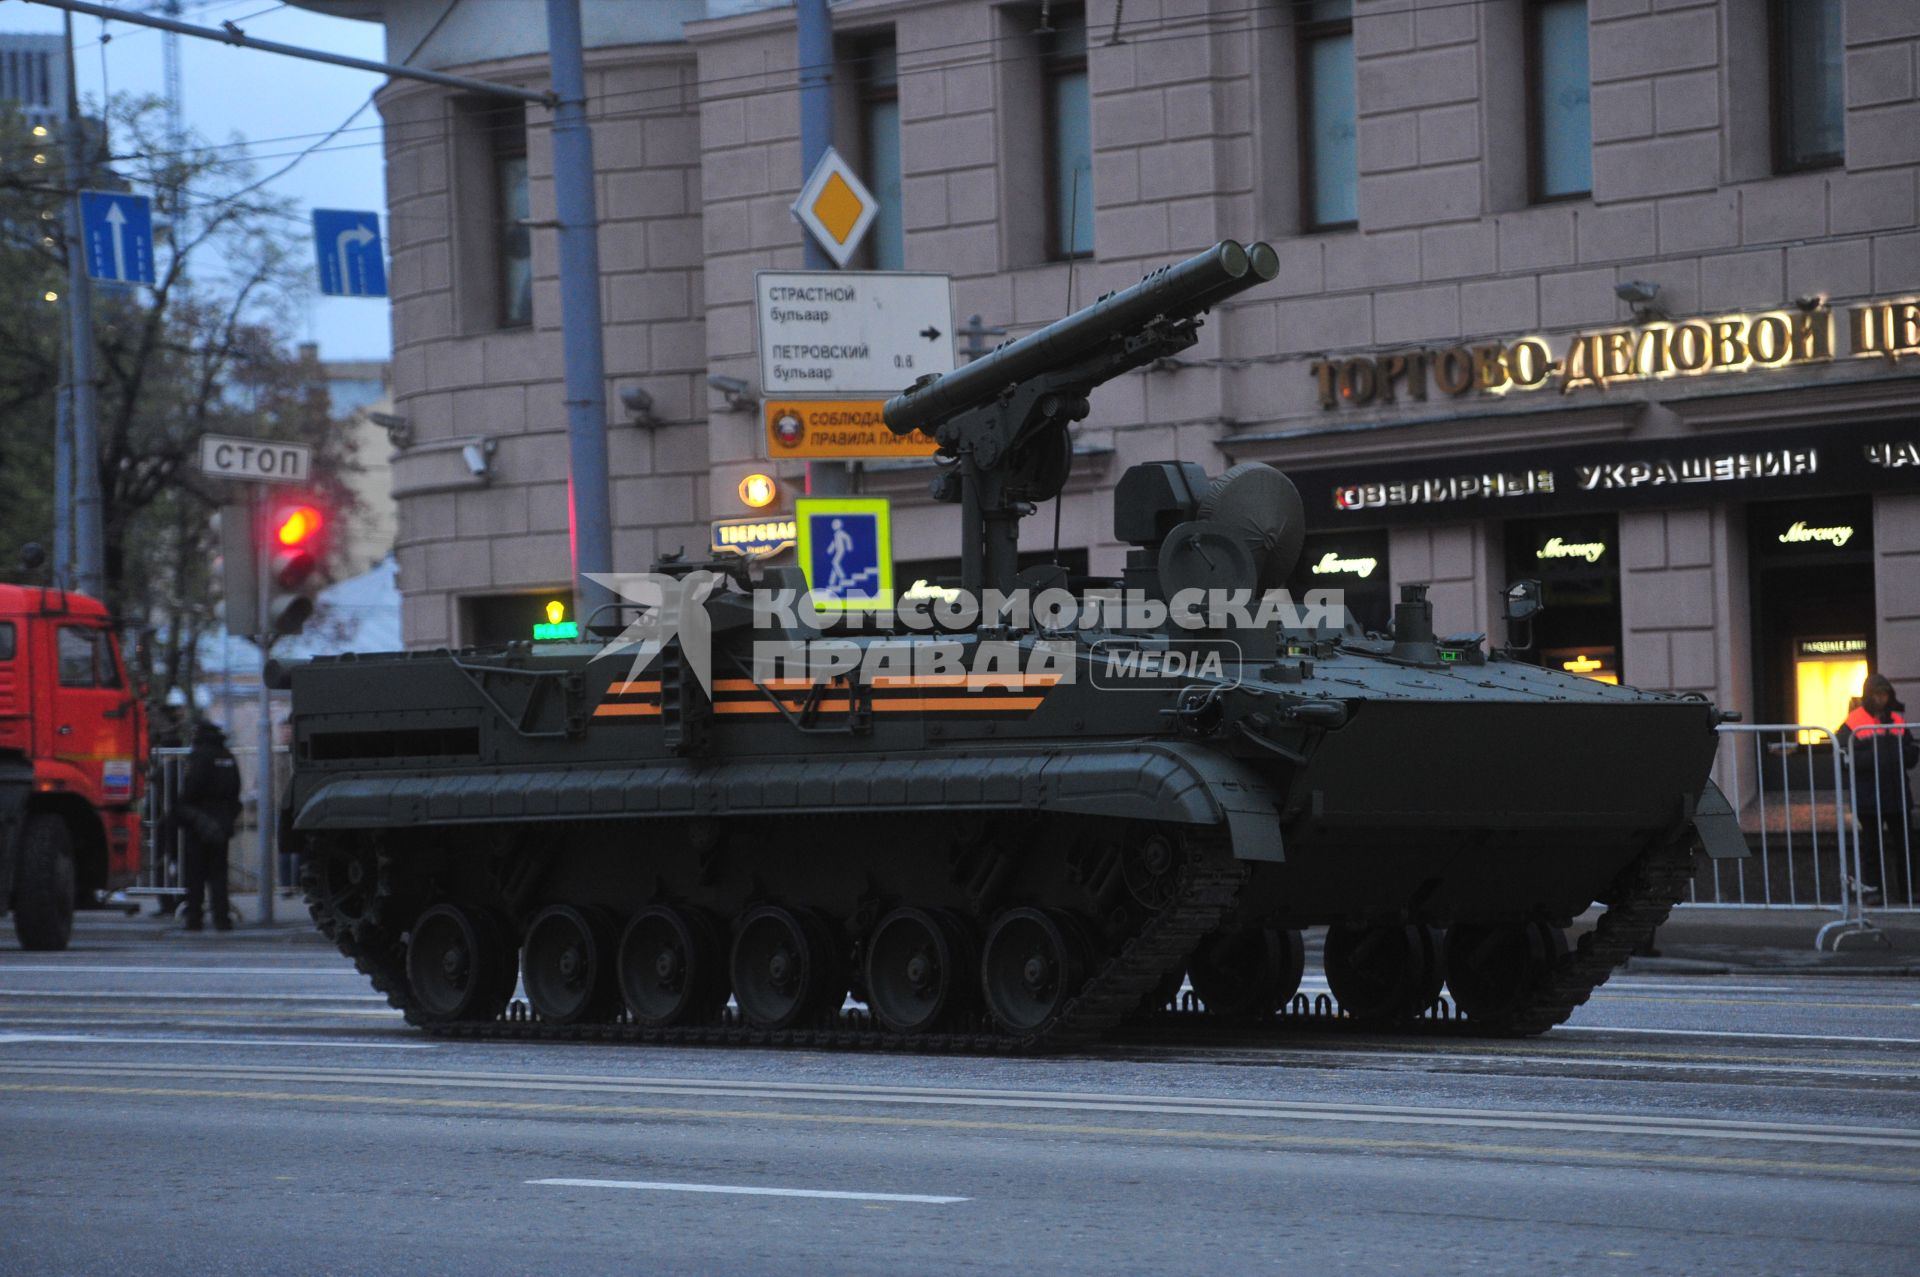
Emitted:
<point x="43" y="889"/>
<point x="673" y="969"/>
<point x="1495" y="968"/>
<point x="785" y="968"/>
<point x="919" y="970"/>
<point x="1033" y="964"/>
<point x="460" y="965"/>
<point x="567" y="966"/>
<point x="1381" y="974"/>
<point x="1250" y="971"/>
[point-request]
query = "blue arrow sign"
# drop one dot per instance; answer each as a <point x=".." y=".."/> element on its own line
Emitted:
<point x="119" y="233"/>
<point x="347" y="244"/>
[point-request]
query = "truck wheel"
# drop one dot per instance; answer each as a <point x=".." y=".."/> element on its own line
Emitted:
<point x="43" y="894"/>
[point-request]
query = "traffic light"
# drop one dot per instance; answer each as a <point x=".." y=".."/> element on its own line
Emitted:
<point x="294" y="542"/>
<point x="239" y="567"/>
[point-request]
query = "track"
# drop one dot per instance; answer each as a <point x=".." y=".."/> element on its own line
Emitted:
<point x="1115" y="1000"/>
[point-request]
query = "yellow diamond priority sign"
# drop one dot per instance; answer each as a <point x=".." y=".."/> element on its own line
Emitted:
<point x="836" y="207"/>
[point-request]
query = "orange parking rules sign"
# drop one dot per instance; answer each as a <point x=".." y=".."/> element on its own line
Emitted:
<point x="837" y="428"/>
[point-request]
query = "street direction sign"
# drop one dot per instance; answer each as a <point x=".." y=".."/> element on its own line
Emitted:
<point x="119" y="234"/>
<point x="352" y="260"/>
<point x="851" y="334"/>
<point x="837" y="428"/>
<point x="846" y="551"/>
<point x="836" y="207"/>
<point x="259" y="460"/>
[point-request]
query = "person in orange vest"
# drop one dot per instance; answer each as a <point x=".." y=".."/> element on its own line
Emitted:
<point x="1882" y="749"/>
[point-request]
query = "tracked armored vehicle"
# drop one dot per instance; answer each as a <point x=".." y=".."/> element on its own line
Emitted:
<point x="1015" y="831"/>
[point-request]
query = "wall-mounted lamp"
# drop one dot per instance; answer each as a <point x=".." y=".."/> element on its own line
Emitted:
<point x="737" y="392"/>
<point x="1642" y="296"/>
<point x="1811" y="302"/>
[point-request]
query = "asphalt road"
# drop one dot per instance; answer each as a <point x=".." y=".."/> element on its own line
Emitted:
<point x="233" y="1105"/>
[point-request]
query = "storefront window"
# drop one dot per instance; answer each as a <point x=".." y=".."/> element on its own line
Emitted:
<point x="1813" y="608"/>
<point x="1354" y="563"/>
<point x="1577" y="562"/>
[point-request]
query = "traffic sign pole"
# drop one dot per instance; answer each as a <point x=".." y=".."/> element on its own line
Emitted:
<point x="814" y="37"/>
<point x="263" y="769"/>
<point x="88" y="536"/>
<point x="585" y="355"/>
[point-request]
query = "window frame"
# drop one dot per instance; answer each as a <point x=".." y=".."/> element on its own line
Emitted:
<point x="506" y="142"/>
<point x="1535" y="116"/>
<point x="1306" y="34"/>
<point x="1054" y="66"/>
<point x="1780" y="117"/>
<point x="9" y="641"/>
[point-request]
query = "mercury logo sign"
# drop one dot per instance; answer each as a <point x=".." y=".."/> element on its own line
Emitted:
<point x="1556" y="548"/>
<point x="1800" y="533"/>
<point x="1331" y="564"/>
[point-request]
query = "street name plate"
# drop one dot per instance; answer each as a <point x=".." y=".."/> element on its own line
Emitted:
<point x="851" y="334"/>
<point x="260" y="460"/>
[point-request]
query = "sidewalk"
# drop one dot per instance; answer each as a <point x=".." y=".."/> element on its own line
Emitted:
<point x="1707" y="941"/>
<point x="291" y="925"/>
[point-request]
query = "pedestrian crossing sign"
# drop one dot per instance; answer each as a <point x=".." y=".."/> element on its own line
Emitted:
<point x="846" y="551"/>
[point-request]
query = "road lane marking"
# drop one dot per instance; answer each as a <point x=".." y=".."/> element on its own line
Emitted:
<point x="744" y="1190"/>
<point x="61" y="968"/>
<point x="1657" y="1125"/>
<point x="193" y="1039"/>
<point x="1856" y="1039"/>
<point x="492" y="1107"/>
<point x="140" y="995"/>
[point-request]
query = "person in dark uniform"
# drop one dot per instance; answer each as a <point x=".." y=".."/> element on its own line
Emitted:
<point x="208" y="808"/>
<point x="1883" y="749"/>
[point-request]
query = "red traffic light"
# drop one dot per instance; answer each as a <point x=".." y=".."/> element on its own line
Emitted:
<point x="297" y="526"/>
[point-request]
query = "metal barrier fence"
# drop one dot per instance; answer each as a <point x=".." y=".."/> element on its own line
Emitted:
<point x="162" y="866"/>
<point x="1797" y="792"/>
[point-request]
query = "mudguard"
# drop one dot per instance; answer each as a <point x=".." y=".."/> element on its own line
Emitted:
<point x="16" y="787"/>
<point x="1718" y="826"/>
<point x="1176" y="782"/>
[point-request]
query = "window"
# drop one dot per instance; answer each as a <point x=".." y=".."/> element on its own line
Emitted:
<point x="1329" y="133"/>
<point x="1560" y="115"/>
<point x="1809" y="113"/>
<point x="1069" y="135"/>
<point x="85" y="658"/>
<point x="876" y="70"/>
<point x="6" y="640"/>
<point x="513" y="239"/>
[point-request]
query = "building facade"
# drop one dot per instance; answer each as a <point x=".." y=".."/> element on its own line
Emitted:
<point x="33" y="78"/>
<point x="1618" y="295"/>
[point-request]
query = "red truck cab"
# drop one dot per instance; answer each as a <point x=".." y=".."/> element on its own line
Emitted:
<point x="73" y="761"/>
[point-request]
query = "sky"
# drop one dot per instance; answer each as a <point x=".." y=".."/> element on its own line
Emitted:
<point x="278" y="105"/>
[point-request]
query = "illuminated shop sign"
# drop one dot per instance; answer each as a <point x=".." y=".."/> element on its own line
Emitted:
<point x="1331" y="564"/>
<point x="1801" y="534"/>
<point x="1557" y="548"/>
<point x="1820" y="648"/>
<point x="1759" y="464"/>
<point x="1642" y="352"/>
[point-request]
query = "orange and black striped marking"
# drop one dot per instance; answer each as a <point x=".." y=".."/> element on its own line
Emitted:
<point x="998" y="694"/>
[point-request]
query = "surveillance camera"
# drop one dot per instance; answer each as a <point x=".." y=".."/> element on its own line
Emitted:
<point x="479" y="463"/>
<point x="731" y="387"/>
<point x="1636" y="292"/>
<point x="639" y="406"/>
